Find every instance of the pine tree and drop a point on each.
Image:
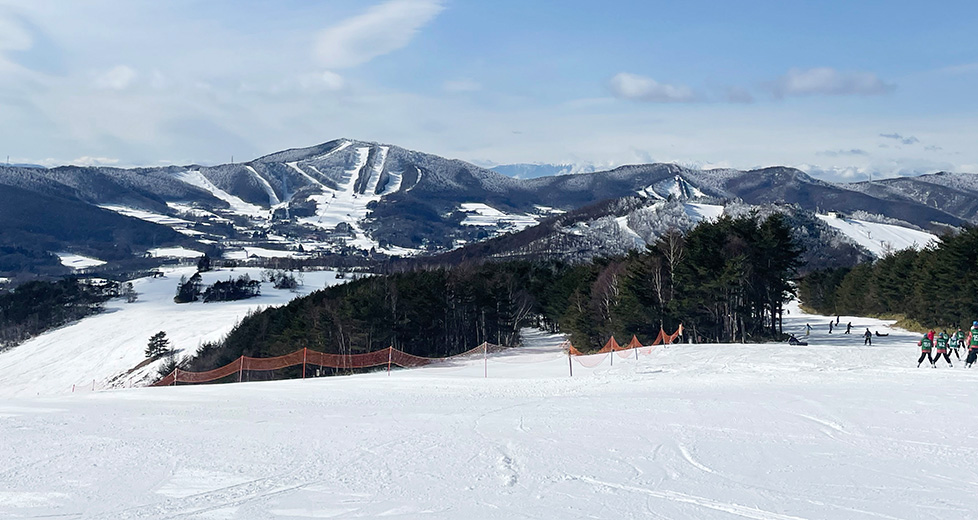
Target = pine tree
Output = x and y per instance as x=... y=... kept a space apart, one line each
x=158 y=345
x=129 y=293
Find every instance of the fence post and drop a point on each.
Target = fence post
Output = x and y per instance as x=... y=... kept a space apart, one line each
x=240 y=367
x=176 y=372
x=304 y=362
x=570 y=362
x=93 y=385
x=390 y=354
x=636 y=353
x=612 y=356
x=485 y=356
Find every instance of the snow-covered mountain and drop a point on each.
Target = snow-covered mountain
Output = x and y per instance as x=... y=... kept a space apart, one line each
x=348 y=197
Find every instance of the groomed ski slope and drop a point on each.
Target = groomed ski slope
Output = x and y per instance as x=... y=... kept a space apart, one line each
x=764 y=432
x=100 y=350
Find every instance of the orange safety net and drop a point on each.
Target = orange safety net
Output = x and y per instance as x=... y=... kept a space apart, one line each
x=612 y=344
x=389 y=356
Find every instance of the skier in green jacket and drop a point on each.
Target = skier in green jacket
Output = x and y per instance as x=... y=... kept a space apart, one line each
x=925 y=346
x=940 y=345
x=972 y=342
x=957 y=341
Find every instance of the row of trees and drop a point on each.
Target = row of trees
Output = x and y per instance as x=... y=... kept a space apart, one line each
x=35 y=307
x=935 y=286
x=726 y=280
x=192 y=289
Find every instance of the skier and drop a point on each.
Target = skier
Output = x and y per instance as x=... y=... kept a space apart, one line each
x=830 y=327
x=925 y=345
x=972 y=341
x=941 y=345
x=868 y=338
x=808 y=328
x=848 y=327
x=954 y=343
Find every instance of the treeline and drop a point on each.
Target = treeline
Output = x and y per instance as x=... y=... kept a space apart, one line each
x=935 y=286
x=726 y=280
x=35 y=307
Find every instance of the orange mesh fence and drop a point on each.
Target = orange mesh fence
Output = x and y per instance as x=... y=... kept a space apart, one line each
x=392 y=357
x=612 y=345
x=386 y=357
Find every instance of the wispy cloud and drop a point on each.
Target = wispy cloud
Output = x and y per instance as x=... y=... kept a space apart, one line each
x=842 y=153
x=462 y=85
x=641 y=88
x=382 y=29
x=908 y=140
x=119 y=77
x=827 y=81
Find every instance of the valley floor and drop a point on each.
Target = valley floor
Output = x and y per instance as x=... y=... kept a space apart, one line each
x=829 y=430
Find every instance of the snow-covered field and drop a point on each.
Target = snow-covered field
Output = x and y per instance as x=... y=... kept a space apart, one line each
x=100 y=350
x=829 y=430
x=78 y=261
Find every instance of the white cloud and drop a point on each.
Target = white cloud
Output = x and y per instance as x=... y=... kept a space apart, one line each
x=830 y=82
x=462 y=85
x=641 y=88
x=320 y=81
x=119 y=77
x=902 y=139
x=384 y=28
x=13 y=37
x=93 y=161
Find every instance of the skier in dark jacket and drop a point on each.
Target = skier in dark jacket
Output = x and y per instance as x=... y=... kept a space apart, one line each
x=868 y=338
x=848 y=327
x=925 y=346
x=940 y=345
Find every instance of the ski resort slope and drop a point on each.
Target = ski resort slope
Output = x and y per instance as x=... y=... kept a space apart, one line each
x=101 y=350
x=880 y=238
x=764 y=432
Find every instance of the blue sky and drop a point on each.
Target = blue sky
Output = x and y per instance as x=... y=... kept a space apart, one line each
x=841 y=89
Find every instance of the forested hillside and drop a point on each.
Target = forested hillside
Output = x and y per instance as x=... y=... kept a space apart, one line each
x=935 y=286
x=727 y=279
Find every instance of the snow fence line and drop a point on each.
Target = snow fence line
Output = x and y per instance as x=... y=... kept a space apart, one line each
x=391 y=357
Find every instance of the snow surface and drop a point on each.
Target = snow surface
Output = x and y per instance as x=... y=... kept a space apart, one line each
x=701 y=212
x=764 y=432
x=175 y=252
x=78 y=261
x=247 y=252
x=479 y=214
x=195 y=178
x=148 y=216
x=106 y=346
x=878 y=238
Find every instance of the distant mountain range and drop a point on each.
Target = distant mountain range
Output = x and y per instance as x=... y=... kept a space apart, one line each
x=534 y=170
x=348 y=197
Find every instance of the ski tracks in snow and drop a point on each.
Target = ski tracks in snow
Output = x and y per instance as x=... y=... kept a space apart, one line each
x=707 y=503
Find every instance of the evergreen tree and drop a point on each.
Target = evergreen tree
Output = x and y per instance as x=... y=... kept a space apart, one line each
x=159 y=345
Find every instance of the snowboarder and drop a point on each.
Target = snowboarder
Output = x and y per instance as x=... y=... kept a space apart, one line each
x=837 y=319
x=868 y=338
x=925 y=346
x=940 y=345
x=878 y=335
x=848 y=327
x=972 y=341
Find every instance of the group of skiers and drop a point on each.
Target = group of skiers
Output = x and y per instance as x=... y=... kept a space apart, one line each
x=943 y=344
